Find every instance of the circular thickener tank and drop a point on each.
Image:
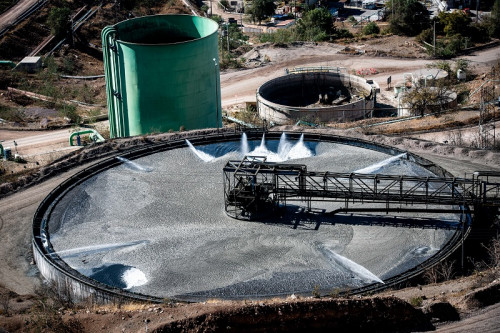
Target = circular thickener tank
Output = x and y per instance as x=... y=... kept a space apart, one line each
x=162 y=74
x=136 y=226
x=315 y=96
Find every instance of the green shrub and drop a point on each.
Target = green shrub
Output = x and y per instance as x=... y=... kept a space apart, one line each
x=344 y=33
x=69 y=111
x=335 y=293
x=217 y=18
x=426 y=35
x=11 y=114
x=371 y=29
x=85 y=94
x=454 y=45
x=416 y=301
x=316 y=292
x=58 y=21
x=68 y=65
x=280 y=36
x=449 y=48
x=228 y=61
x=479 y=33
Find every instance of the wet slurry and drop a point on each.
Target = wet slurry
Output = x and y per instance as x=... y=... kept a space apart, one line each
x=162 y=220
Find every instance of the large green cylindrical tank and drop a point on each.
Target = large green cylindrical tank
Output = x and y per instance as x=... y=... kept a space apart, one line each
x=162 y=72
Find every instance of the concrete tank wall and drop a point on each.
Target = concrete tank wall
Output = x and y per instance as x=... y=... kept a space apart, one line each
x=283 y=114
x=162 y=72
x=69 y=286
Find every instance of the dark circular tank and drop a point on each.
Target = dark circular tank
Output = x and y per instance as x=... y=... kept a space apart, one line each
x=315 y=96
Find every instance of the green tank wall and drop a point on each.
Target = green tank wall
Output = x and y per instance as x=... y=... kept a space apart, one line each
x=162 y=72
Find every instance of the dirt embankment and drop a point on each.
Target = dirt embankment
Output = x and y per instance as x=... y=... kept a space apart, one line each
x=356 y=314
x=368 y=314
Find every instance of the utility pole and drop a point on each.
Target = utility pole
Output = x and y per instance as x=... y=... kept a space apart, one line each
x=434 y=39
x=222 y=42
x=462 y=217
x=71 y=31
x=227 y=36
x=477 y=10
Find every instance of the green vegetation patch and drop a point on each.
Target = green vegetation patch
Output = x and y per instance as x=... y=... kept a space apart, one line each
x=11 y=114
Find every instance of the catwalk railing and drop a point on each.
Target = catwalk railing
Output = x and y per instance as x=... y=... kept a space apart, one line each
x=252 y=183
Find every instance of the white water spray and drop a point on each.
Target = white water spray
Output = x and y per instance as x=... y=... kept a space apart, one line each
x=202 y=155
x=286 y=150
x=134 y=277
x=284 y=147
x=244 y=148
x=133 y=165
x=299 y=150
x=75 y=252
x=262 y=150
x=353 y=267
x=377 y=167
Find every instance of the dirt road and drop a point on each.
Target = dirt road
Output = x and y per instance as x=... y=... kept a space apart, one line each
x=484 y=321
x=240 y=86
x=27 y=139
x=16 y=213
x=10 y=16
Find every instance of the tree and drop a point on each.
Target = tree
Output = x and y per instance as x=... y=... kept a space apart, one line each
x=260 y=9
x=371 y=29
x=408 y=17
x=58 y=21
x=421 y=99
x=492 y=23
x=316 y=25
x=454 y=23
x=224 y=4
x=236 y=36
x=217 y=18
x=418 y=100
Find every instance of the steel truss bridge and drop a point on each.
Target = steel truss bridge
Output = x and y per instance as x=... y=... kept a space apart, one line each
x=253 y=186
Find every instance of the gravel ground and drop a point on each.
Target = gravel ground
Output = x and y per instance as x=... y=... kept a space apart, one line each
x=131 y=227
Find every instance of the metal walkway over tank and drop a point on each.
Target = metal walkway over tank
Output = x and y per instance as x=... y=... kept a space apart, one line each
x=253 y=185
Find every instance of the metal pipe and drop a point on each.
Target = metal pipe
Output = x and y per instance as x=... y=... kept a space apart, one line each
x=240 y=122
x=93 y=133
x=108 y=33
x=8 y=63
x=216 y=94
